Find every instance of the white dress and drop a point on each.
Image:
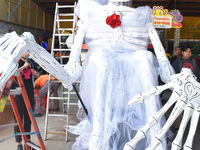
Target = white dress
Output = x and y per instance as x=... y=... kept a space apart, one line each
x=117 y=67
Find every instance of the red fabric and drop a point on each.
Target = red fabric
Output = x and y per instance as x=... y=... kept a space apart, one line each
x=113 y=20
x=26 y=73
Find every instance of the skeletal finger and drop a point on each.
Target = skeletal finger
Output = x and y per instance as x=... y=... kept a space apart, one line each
x=177 y=143
x=193 y=127
x=152 y=121
x=154 y=91
x=174 y=114
x=136 y=99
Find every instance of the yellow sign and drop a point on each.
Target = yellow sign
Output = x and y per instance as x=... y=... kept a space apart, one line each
x=165 y=19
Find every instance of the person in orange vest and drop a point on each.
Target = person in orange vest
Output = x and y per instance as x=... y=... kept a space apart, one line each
x=42 y=82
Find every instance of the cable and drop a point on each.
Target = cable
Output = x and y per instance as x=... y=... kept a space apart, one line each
x=10 y=14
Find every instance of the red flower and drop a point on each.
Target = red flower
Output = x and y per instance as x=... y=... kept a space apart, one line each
x=113 y=21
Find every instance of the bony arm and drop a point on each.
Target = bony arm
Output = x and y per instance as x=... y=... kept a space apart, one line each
x=11 y=49
x=166 y=69
x=46 y=60
x=73 y=67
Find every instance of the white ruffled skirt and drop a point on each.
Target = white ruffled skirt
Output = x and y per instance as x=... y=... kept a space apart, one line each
x=111 y=77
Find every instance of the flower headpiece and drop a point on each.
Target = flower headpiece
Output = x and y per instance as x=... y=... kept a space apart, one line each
x=113 y=21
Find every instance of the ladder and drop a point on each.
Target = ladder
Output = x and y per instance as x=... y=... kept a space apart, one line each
x=63 y=32
x=3 y=95
x=64 y=26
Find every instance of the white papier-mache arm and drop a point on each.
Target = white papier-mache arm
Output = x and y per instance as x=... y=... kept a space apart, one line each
x=166 y=70
x=46 y=60
x=73 y=66
x=11 y=49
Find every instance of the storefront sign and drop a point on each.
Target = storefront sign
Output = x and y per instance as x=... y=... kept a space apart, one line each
x=162 y=22
x=164 y=19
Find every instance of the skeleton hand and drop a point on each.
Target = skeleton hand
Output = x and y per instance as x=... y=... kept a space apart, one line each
x=74 y=70
x=186 y=95
x=11 y=49
x=10 y=53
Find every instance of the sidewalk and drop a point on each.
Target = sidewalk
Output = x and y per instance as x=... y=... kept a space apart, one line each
x=56 y=124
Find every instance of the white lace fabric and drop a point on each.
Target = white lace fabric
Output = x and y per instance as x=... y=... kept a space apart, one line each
x=113 y=72
x=133 y=29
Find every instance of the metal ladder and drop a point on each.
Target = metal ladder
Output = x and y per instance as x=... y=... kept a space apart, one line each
x=3 y=97
x=68 y=20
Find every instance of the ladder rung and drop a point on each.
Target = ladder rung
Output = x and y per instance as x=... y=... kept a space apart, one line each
x=65 y=93
x=65 y=43
x=71 y=103
x=64 y=56
x=70 y=92
x=55 y=81
x=66 y=6
x=64 y=103
x=33 y=146
x=57 y=33
x=63 y=34
x=56 y=133
x=62 y=14
x=58 y=98
x=55 y=115
x=63 y=29
x=64 y=49
x=60 y=20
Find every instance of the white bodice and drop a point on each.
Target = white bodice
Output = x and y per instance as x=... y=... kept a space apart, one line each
x=133 y=31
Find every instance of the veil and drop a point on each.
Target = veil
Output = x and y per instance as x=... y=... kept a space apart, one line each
x=84 y=5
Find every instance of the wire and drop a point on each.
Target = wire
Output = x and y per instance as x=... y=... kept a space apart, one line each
x=10 y=14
